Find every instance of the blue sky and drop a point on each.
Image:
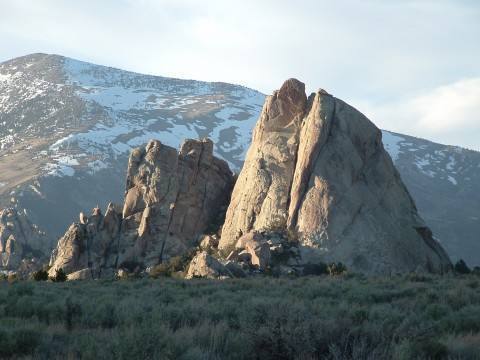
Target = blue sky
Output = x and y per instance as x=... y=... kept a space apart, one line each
x=411 y=66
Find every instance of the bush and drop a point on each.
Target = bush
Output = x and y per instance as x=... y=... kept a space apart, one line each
x=462 y=268
x=173 y=265
x=18 y=342
x=328 y=317
x=315 y=269
x=337 y=269
x=72 y=310
x=60 y=276
x=40 y=275
x=159 y=270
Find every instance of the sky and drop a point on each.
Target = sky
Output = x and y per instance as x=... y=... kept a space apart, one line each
x=412 y=66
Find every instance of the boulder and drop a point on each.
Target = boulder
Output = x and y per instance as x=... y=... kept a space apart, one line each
x=208 y=242
x=84 y=274
x=317 y=171
x=204 y=265
x=257 y=248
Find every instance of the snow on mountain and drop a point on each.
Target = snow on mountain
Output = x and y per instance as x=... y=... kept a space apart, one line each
x=445 y=184
x=139 y=108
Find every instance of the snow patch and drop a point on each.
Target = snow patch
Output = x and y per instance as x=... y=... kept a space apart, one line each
x=392 y=144
x=452 y=180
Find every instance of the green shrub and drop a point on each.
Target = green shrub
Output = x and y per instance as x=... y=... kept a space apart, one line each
x=173 y=265
x=72 y=310
x=315 y=269
x=461 y=267
x=327 y=317
x=335 y=269
x=18 y=342
x=464 y=346
x=476 y=270
x=40 y=275
x=60 y=276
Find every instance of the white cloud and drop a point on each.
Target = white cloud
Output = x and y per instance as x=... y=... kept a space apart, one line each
x=449 y=114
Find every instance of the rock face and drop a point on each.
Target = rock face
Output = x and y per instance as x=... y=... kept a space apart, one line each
x=318 y=171
x=19 y=239
x=171 y=199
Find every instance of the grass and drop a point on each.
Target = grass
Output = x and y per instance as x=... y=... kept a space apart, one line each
x=344 y=317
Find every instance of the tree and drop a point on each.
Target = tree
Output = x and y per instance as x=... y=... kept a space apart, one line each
x=40 y=275
x=60 y=276
x=462 y=268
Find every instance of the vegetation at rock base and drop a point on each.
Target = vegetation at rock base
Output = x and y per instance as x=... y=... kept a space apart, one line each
x=40 y=275
x=60 y=276
x=462 y=268
x=313 y=317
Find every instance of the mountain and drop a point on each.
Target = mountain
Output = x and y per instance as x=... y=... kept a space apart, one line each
x=445 y=183
x=67 y=127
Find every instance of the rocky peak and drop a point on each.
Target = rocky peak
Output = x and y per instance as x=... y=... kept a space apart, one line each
x=171 y=199
x=317 y=169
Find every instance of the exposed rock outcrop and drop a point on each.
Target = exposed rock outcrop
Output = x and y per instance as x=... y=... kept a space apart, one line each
x=20 y=239
x=204 y=265
x=317 y=170
x=171 y=199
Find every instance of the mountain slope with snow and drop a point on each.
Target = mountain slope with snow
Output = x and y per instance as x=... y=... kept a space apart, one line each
x=67 y=127
x=445 y=183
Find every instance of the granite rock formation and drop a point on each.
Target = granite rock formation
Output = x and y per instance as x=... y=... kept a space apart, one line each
x=171 y=199
x=317 y=171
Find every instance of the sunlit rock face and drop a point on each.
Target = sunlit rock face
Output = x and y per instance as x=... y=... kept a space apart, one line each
x=318 y=170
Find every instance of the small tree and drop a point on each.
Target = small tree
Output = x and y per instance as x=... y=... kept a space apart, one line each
x=337 y=269
x=60 y=276
x=476 y=270
x=40 y=275
x=462 y=268
x=315 y=269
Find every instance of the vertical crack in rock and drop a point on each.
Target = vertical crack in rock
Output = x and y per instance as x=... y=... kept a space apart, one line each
x=314 y=133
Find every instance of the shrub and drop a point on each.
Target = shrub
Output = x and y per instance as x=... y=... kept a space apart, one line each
x=337 y=269
x=315 y=269
x=160 y=270
x=430 y=349
x=12 y=278
x=72 y=310
x=461 y=267
x=40 y=275
x=60 y=276
x=173 y=265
